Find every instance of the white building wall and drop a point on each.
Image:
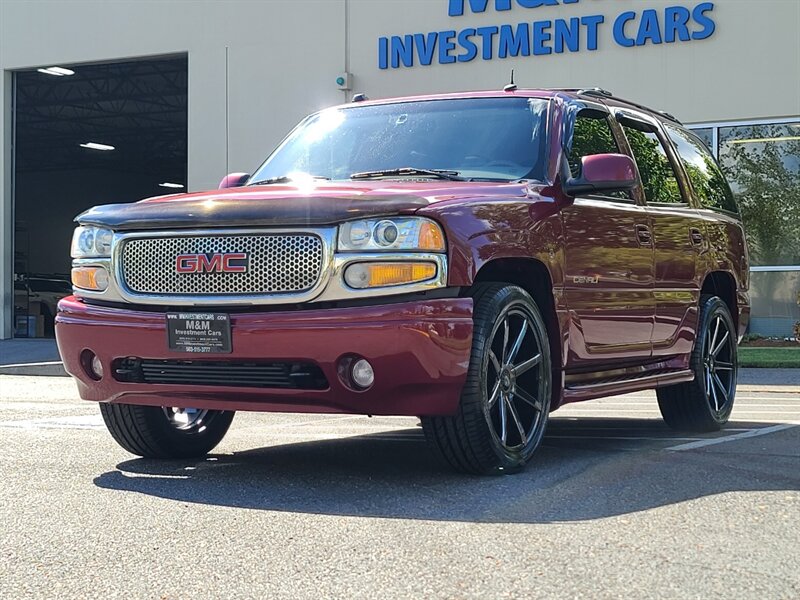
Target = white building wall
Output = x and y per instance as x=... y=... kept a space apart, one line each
x=255 y=68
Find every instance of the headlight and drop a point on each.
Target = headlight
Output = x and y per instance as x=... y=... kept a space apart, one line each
x=90 y=242
x=412 y=233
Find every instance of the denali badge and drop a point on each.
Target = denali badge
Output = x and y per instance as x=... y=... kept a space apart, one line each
x=232 y=262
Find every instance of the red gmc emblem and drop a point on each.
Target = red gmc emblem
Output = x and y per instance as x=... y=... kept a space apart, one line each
x=232 y=262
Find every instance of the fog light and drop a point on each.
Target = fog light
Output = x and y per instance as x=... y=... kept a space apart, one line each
x=92 y=365
x=97 y=367
x=362 y=373
x=90 y=278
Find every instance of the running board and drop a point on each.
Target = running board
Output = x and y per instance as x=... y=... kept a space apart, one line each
x=578 y=391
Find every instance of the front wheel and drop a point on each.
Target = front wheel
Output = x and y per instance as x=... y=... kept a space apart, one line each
x=165 y=432
x=505 y=402
x=705 y=404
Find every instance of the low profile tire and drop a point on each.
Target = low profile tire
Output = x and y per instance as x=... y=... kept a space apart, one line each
x=156 y=432
x=505 y=402
x=705 y=404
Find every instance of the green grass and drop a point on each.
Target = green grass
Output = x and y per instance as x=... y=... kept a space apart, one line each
x=776 y=358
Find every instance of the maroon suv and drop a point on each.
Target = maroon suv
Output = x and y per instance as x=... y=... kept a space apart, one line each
x=475 y=259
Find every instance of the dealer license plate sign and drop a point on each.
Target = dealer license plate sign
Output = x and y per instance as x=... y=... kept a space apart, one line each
x=199 y=332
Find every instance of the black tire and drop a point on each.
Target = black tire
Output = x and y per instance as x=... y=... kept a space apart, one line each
x=150 y=431
x=705 y=404
x=471 y=441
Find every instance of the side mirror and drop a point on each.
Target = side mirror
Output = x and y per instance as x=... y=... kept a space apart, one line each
x=234 y=180
x=603 y=173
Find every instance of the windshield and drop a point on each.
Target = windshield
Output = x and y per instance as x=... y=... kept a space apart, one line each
x=494 y=139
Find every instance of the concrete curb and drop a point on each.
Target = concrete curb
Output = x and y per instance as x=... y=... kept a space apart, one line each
x=47 y=369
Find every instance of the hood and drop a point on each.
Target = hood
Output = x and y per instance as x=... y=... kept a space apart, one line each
x=286 y=205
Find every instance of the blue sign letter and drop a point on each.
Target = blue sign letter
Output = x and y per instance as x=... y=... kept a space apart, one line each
x=619 y=29
x=699 y=15
x=455 y=8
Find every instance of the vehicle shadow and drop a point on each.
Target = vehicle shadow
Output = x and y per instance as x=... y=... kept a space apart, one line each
x=575 y=476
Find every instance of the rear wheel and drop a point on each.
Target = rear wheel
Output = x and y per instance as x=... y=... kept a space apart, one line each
x=504 y=406
x=705 y=404
x=165 y=432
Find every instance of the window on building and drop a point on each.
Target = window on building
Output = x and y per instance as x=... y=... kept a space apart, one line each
x=706 y=135
x=708 y=183
x=658 y=175
x=762 y=163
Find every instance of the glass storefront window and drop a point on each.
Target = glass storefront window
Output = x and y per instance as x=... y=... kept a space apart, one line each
x=706 y=135
x=762 y=163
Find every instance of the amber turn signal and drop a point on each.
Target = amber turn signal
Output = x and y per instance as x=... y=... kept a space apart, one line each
x=367 y=275
x=90 y=278
x=431 y=237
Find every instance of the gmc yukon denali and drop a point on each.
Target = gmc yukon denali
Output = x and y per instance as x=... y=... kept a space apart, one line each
x=476 y=260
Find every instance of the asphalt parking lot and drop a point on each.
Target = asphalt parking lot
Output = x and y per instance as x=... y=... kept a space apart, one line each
x=338 y=506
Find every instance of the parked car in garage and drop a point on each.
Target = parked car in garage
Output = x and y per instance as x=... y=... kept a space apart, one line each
x=475 y=259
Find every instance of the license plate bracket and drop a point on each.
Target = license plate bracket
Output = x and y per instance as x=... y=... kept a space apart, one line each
x=199 y=333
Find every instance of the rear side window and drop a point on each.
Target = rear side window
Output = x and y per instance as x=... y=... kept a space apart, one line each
x=708 y=182
x=659 y=180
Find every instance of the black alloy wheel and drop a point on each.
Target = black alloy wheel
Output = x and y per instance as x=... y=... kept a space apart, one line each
x=705 y=404
x=505 y=402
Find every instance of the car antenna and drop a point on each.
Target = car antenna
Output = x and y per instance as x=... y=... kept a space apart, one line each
x=511 y=87
x=360 y=97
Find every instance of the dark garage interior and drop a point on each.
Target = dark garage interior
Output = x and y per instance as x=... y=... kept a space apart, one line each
x=87 y=135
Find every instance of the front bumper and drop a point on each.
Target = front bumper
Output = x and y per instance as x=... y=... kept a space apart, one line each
x=419 y=352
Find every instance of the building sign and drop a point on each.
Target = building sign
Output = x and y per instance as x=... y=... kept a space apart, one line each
x=672 y=24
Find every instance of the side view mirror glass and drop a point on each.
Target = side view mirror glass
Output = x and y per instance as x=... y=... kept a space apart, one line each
x=234 y=180
x=603 y=173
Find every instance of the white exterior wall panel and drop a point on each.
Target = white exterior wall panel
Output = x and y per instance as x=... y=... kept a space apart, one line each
x=283 y=57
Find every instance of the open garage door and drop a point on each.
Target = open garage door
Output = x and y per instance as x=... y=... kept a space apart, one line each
x=87 y=135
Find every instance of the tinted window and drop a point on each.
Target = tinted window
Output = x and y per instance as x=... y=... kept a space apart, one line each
x=481 y=138
x=592 y=135
x=705 y=175
x=658 y=176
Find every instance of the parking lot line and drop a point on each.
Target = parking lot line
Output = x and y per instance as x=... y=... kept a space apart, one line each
x=732 y=438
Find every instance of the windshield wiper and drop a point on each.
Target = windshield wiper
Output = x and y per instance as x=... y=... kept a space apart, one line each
x=284 y=179
x=409 y=171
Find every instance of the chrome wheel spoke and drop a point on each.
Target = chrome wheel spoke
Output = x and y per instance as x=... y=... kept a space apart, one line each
x=515 y=417
x=495 y=394
x=723 y=366
x=527 y=398
x=185 y=418
x=518 y=342
x=713 y=343
x=719 y=346
x=526 y=365
x=713 y=391
x=722 y=389
x=495 y=362
x=503 y=420
x=505 y=339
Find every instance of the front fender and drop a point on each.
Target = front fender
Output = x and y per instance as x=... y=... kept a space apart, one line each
x=479 y=232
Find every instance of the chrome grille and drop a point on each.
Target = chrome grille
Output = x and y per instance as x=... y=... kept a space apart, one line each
x=277 y=263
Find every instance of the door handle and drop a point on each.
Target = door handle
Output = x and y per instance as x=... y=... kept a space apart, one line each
x=644 y=235
x=696 y=236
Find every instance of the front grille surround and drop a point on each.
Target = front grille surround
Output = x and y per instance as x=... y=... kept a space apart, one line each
x=276 y=264
x=285 y=277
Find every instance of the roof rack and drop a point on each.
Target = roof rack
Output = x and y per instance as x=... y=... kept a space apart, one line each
x=601 y=93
